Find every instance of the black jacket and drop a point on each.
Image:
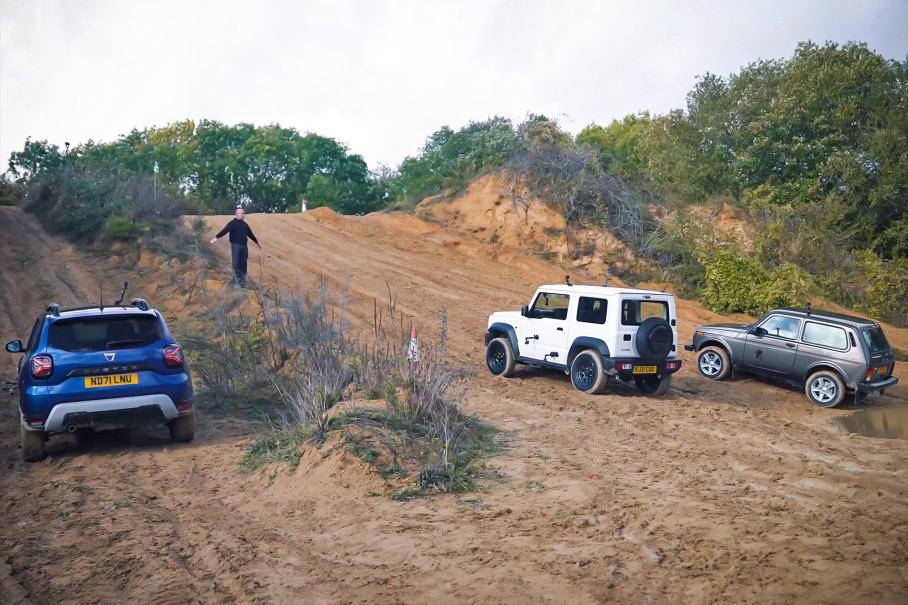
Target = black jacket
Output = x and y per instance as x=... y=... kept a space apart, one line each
x=238 y=231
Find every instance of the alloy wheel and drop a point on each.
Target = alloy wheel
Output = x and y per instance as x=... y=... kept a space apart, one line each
x=823 y=389
x=710 y=363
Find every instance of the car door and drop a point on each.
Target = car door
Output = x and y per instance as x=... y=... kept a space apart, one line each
x=545 y=335
x=772 y=345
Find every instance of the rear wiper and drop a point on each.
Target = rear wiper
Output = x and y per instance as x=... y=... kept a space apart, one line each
x=113 y=344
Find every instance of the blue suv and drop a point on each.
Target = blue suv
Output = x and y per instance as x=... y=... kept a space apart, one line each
x=99 y=368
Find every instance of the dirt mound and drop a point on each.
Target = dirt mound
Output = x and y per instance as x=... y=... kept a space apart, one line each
x=494 y=210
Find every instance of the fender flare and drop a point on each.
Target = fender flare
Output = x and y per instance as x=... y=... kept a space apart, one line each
x=829 y=365
x=587 y=342
x=718 y=341
x=507 y=330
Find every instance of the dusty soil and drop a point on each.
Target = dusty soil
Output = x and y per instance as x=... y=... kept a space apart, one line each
x=719 y=492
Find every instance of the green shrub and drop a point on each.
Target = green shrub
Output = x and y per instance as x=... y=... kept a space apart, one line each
x=737 y=284
x=886 y=291
x=122 y=228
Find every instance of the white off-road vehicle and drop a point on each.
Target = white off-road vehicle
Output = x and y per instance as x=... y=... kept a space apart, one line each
x=595 y=334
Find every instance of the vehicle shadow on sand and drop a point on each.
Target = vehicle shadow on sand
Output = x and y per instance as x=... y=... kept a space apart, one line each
x=745 y=391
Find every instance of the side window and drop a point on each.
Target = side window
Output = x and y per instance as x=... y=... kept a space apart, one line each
x=36 y=335
x=549 y=305
x=591 y=310
x=782 y=326
x=825 y=335
x=635 y=312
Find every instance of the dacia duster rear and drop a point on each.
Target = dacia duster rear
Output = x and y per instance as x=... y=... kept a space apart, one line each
x=100 y=368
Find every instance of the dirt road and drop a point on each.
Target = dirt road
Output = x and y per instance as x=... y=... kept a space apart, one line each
x=729 y=492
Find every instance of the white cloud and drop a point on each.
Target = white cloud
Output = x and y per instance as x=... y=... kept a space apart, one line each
x=381 y=76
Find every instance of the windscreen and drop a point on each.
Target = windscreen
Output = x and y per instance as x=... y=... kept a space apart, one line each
x=634 y=312
x=875 y=339
x=104 y=333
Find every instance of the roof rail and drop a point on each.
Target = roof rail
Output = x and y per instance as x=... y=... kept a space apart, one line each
x=139 y=303
x=54 y=309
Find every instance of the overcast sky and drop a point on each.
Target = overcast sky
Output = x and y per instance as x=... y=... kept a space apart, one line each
x=381 y=76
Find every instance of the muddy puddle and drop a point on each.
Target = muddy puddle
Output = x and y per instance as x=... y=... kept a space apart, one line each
x=886 y=423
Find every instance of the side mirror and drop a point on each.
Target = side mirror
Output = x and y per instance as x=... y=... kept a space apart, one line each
x=14 y=346
x=525 y=311
x=758 y=331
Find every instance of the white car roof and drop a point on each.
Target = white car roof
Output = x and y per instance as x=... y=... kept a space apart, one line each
x=598 y=291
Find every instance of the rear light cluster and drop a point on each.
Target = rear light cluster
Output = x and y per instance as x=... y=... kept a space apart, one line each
x=624 y=366
x=871 y=374
x=673 y=366
x=173 y=356
x=42 y=366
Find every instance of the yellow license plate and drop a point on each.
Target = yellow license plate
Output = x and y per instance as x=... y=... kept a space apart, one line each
x=645 y=370
x=882 y=370
x=111 y=380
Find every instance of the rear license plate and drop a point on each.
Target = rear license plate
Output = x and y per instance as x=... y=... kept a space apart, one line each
x=645 y=370
x=882 y=370
x=112 y=380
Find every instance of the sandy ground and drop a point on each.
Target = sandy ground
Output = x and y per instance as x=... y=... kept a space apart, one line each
x=719 y=492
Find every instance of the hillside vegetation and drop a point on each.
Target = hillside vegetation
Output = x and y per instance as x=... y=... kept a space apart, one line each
x=810 y=153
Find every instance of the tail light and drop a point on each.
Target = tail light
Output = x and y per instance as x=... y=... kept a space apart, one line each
x=624 y=366
x=673 y=366
x=42 y=366
x=173 y=356
x=871 y=373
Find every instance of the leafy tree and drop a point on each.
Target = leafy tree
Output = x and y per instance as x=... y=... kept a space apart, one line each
x=619 y=145
x=36 y=159
x=450 y=159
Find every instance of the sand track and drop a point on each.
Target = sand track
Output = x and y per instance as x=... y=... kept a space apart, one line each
x=729 y=492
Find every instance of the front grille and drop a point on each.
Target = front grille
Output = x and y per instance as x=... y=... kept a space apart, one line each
x=107 y=370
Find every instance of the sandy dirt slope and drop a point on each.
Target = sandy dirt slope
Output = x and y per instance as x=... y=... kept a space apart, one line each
x=39 y=269
x=728 y=492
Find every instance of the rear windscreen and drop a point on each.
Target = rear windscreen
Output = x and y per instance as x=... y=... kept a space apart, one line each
x=104 y=333
x=875 y=339
x=634 y=312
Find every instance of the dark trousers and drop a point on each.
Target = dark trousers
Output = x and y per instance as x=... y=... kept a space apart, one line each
x=240 y=254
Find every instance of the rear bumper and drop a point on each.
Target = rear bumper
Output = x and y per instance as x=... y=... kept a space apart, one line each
x=618 y=366
x=109 y=413
x=869 y=387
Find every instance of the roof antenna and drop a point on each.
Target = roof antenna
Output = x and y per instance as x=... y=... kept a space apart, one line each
x=122 y=295
x=101 y=297
x=567 y=280
x=809 y=307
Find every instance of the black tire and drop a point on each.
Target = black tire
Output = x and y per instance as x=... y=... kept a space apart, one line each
x=653 y=384
x=587 y=373
x=500 y=358
x=182 y=428
x=654 y=338
x=33 y=445
x=825 y=389
x=713 y=363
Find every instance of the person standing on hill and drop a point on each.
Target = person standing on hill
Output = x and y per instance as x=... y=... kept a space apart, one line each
x=239 y=232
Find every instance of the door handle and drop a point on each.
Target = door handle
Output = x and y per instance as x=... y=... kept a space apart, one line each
x=560 y=329
x=790 y=345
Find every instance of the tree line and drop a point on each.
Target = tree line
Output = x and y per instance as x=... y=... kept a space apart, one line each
x=813 y=148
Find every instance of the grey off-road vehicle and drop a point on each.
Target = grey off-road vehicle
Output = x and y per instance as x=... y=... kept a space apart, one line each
x=830 y=354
